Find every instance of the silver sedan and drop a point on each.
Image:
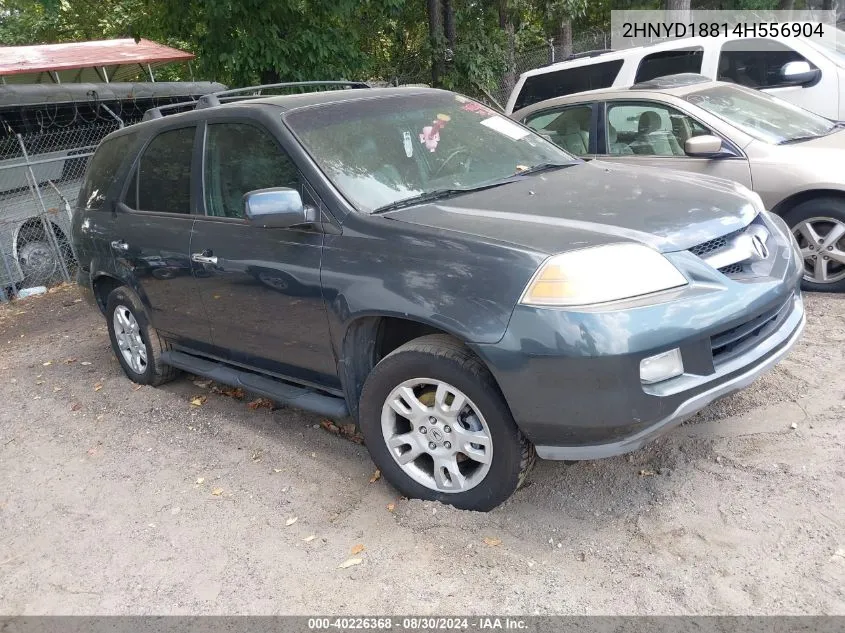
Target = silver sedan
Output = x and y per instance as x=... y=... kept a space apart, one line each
x=792 y=158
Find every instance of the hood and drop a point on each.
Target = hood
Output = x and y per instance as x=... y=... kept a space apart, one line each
x=589 y=204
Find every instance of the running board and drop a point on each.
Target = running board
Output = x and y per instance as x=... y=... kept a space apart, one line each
x=285 y=393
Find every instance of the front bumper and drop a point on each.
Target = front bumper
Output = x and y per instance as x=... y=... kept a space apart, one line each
x=763 y=359
x=571 y=377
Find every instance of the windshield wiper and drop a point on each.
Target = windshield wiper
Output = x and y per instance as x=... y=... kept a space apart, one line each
x=439 y=194
x=430 y=196
x=534 y=169
x=801 y=139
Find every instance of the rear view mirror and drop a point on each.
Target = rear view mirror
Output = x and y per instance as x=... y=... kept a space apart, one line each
x=799 y=74
x=705 y=145
x=279 y=207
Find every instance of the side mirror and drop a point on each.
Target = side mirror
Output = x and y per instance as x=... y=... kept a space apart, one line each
x=705 y=145
x=277 y=208
x=799 y=74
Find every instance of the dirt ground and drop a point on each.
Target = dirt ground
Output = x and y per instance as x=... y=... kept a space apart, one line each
x=117 y=500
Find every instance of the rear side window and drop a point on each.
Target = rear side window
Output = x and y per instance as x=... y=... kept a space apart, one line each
x=162 y=181
x=102 y=170
x=567 y=81
x=758 y=68
x=669 y=63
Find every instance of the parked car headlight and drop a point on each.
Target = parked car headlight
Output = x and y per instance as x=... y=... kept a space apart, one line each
x=600 y=274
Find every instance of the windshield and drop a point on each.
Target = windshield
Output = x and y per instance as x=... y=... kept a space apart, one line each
x=833 y=50
x=762 y=116
x=382 y=150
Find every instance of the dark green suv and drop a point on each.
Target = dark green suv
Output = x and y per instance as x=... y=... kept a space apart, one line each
x=467 y=291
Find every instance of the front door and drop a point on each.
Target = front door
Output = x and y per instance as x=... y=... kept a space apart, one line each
x=151 y=236
x=653 y=134
x=260 y=286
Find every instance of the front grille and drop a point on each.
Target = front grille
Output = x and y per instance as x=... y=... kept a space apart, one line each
x=705 y=248
x=730 y=343
x=733 y=269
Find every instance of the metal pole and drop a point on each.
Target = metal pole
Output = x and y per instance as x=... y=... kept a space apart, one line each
x=3 y=296
x=551 y=50
x=48 y=228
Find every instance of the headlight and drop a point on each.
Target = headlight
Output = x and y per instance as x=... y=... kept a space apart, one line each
x=599 y=274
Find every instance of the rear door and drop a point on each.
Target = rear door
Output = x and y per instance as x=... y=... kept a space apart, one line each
x=260 y=286
x=651 y=133
x=151 y=235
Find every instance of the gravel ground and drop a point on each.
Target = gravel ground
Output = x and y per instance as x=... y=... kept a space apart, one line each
x=117 y=500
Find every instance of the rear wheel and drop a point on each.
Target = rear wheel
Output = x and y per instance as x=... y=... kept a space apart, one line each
x=135 y=342
x=437 y=426
x=819 y=227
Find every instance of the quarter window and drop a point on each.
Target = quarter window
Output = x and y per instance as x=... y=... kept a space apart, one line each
x=756 y=63
x=669 y=63
x=240 y=158
x=163 y=178
x=567 y=81
x=649 y=129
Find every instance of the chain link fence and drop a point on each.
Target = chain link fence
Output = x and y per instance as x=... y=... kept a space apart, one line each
x=40 y=177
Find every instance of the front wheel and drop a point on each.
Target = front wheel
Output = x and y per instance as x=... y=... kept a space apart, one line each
x=819 y=227
x=437 y=426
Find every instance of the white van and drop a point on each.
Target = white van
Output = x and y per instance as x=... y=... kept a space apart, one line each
x=808 y=73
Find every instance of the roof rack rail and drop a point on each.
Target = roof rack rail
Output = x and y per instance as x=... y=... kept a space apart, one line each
x=158 y=112
x=214 y=99
x=593 y=53
x=665 y=82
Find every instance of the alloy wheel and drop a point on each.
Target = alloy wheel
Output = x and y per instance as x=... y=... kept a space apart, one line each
x=822 y=243
x=437 y=435
x=128 y=335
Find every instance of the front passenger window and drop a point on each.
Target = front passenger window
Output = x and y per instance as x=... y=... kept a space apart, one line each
x=649 y=129
x=240 y=158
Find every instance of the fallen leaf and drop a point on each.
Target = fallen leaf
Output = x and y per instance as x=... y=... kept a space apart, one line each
x=291 y=521
x=351 y=562
x=76 y=406
x=308 y=539
x=390 y=507
x=203 y=384
x=39 y=382
x=330 y=426
x=47 y=364
x=232 y=392
x=85 y=362
x=98 y=386
x=136 y=387
x=260 y=403
x=57 y=389
x=198 y=401
x=357 y=549
x=68 y=361
x=376 y=476
x=217 y=492
x=200 y=480
x=92 y=451
x=647 y=473
x=492 y=542
x=277 y=470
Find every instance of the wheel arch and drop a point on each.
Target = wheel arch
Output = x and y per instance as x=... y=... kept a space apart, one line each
x=369 y=338
x=793 y=200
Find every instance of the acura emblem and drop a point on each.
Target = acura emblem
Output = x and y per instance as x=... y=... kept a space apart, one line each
x=760 y=250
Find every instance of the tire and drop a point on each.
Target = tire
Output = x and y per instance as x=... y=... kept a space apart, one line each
x=146 y=343
x=822 y=215
x=500 y=462
x=38 y=261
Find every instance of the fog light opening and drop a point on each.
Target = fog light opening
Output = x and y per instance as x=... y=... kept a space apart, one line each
x=661 y=367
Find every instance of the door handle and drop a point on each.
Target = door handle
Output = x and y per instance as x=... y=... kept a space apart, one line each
x=120 y=245
x=202 y=258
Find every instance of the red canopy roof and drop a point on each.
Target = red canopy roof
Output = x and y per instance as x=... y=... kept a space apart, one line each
x=16 y=60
